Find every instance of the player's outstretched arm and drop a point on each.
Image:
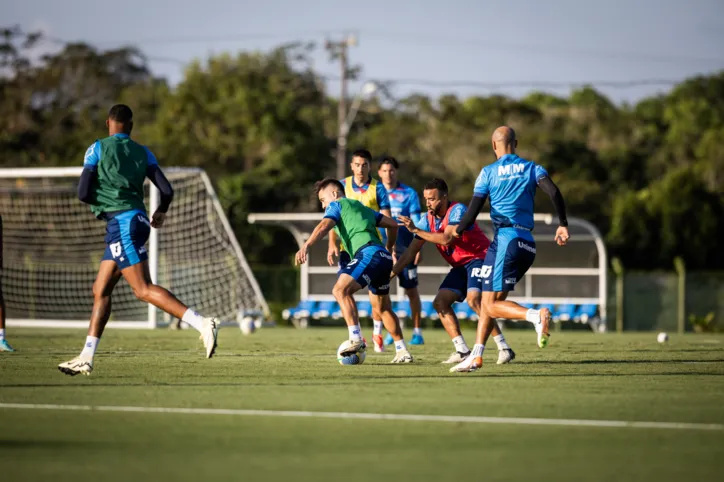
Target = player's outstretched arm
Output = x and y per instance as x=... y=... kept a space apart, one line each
x=476 y=204
x=442 y=239
x=390 y=224
x=324 y=226
x=410 y=253
x=549 y=187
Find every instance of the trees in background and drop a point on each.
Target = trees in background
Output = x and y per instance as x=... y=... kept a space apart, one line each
x=651 y=176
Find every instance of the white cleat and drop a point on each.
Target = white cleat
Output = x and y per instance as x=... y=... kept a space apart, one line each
x=456 y=357
x=209 y=333
x=402 y=357
x=77 y=366
x=470 y=364
x=506 y=355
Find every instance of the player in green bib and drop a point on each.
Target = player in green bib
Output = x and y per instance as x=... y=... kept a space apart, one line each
x=356 y=226
x=114 y=171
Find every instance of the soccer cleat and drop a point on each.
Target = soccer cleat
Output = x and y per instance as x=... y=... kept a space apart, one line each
x=456 y=357
x=77 y=366
x=402 y=357
x=470 y=364
x=5 y=346
x=354 y=347
x=506 y=356
x=417 y=339
x=209 y=334
x=542 y=327
x=389 y=340
x=379 y=344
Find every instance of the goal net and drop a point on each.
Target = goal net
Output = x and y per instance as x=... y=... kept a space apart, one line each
x=53 y=245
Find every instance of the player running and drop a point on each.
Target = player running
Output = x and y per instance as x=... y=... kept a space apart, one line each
x=4 y=345
x=114 y=171
x=404 y=202
x=356 y=225
x=465 y=254
x=365 y=189
x=511 y=183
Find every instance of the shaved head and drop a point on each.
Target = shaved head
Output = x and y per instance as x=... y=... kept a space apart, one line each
x=504 y=135
x=504 y=141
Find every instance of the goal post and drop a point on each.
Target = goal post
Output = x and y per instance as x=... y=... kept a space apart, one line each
x=53 y=245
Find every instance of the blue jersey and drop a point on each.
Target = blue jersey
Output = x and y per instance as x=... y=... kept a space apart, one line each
x=403 y=202
x=510 y=183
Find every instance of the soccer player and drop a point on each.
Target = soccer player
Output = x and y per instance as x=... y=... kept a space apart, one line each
x=404 y=202
x=365 y=189
x=371 y=263
x=465 y=254
x=510 y=183
x=114 y=170
x=4 y=345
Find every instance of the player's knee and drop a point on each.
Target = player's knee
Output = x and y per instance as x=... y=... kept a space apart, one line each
x=441 y=305
x=473 y=300
x=142 y=292
x=340 y=291
x=487 y=306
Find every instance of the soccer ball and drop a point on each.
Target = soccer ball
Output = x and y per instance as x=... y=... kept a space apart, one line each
x=662 y=338
x=247 y=325
x=353 y=359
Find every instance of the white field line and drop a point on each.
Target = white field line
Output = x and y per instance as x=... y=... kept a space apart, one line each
x=377 y=416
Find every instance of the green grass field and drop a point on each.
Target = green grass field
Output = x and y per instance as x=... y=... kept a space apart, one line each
x=580 y=376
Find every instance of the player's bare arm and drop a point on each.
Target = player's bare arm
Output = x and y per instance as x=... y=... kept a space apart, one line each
x=333 y=249
x=443 y=239
x=549 y=187
x=412 y=251
x=391 y=225
x=324 y=227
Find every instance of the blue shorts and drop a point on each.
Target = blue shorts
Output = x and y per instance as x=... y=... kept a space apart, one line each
x=408 y=277
x=509 y=257
x=126 y=235
x=462 y=279
x=371 y=266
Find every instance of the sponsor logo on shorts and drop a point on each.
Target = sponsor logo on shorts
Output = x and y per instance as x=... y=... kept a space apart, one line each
x=144 y=220
x=142 y=250
x=384 y=287
x=366 y=278
x=412 y=273
x=526 y=247
x=511 y=281
x=385 y=255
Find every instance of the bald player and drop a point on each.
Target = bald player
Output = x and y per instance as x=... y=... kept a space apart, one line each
x=511 y=184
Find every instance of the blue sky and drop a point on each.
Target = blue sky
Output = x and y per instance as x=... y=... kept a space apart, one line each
x=436 y=41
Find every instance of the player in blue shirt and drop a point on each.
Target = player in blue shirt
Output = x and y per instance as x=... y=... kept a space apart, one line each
x=362 y=187
x=404 y=202
x=511 y=184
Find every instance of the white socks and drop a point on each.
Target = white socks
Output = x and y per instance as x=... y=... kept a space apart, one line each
x=89 y=349
x=477 y=351
x=355 y=333
x=533 y=316
x=2 y=333
x=417 y=331
x=460 y=345
x=377 y=330
x=400 y=346
x=193 y=319
x=500 y=341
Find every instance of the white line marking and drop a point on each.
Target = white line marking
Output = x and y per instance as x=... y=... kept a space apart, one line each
x=376 y=416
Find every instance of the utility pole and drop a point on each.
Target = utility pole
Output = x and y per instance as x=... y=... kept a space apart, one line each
x=338 y=51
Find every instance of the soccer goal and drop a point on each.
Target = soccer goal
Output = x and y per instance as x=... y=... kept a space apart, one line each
x=53 y=246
